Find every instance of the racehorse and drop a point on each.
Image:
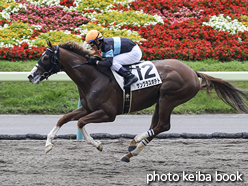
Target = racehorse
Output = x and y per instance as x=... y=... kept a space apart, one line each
x=102 y=98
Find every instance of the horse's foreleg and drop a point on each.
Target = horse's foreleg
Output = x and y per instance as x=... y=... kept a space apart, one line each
x=94 y=117
x=50 y=137
x=75 y=115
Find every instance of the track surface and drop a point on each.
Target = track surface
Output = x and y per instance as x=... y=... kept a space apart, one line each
x=24 y=163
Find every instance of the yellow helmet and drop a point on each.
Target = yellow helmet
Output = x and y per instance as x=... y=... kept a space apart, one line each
x=93 y=35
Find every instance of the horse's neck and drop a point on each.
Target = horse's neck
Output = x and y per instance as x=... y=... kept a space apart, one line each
x=79 y=74
x=82 y=75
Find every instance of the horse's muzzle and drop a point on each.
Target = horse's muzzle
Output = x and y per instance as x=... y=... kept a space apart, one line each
x=34 y=79
x=30 y=78
x=33 y=76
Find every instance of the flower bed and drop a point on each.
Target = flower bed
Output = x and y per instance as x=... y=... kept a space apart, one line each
x=191 y=38
x=50 y=18
x=188 y=30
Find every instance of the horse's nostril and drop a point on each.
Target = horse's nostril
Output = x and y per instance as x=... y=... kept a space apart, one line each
x=30 y=77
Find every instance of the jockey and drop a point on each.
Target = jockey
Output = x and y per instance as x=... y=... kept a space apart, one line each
x=118 y=51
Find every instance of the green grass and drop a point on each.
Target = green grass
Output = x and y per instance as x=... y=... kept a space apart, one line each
x=18 y=66
x=62 y=97
x=45 y=98
x=214 y=65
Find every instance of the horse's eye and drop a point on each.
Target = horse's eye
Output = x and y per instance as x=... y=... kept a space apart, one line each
x=46 y=58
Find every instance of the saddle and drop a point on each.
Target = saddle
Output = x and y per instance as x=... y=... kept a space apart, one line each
x=147 y=76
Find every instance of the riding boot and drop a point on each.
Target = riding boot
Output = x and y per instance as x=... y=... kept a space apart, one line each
x=129 y=78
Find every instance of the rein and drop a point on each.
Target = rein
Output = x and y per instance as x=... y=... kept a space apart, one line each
x=54 y=67
x=74 y=66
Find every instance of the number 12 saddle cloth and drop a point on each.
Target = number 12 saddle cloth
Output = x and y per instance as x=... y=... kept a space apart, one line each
x=147 y=76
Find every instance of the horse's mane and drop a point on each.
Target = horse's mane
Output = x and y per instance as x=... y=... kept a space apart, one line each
x=76 y=48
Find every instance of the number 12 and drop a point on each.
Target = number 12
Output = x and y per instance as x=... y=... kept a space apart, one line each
x=147 y=74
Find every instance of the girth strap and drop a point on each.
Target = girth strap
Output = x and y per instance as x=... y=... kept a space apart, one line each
x=127 y=98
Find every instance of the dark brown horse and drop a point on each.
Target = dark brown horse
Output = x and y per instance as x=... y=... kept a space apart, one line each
x=102 y=99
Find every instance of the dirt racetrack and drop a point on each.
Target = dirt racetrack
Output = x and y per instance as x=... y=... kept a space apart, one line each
x=162 y=162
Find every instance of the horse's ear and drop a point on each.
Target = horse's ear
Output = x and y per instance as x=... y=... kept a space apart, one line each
x=50 y=45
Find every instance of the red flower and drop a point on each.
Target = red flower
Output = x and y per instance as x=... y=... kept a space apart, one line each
x=67 y=3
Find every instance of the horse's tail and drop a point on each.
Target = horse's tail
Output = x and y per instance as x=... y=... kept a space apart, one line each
x=231 y=95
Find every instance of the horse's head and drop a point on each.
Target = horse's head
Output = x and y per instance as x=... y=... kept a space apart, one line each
x=47 y=65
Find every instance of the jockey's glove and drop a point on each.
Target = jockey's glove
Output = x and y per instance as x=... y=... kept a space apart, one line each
x=92 y=61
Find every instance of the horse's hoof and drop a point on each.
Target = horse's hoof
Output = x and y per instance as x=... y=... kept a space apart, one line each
x=100 y=147
x=48 y=148
x=125 y=159
x=131 y=148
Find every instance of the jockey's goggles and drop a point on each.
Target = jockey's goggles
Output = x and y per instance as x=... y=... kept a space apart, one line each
x=92 y=43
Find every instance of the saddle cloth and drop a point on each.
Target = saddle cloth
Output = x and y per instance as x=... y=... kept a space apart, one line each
x=145 y=71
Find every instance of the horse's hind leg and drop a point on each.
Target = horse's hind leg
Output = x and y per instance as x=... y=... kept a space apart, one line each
x=138 y=138
x=160 y=123
x=75 y=115
x=161 y=118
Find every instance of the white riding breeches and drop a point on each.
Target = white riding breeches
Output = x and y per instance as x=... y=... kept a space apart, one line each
x=127 y=58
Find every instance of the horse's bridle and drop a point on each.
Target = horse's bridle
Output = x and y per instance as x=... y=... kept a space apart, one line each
x=54 y=66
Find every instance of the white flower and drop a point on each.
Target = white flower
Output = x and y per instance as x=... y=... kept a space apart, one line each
x=67 y=32
x=5 y=15
x=5 y=25
x=36 y=27
x=42 y=3
x=225 y=24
